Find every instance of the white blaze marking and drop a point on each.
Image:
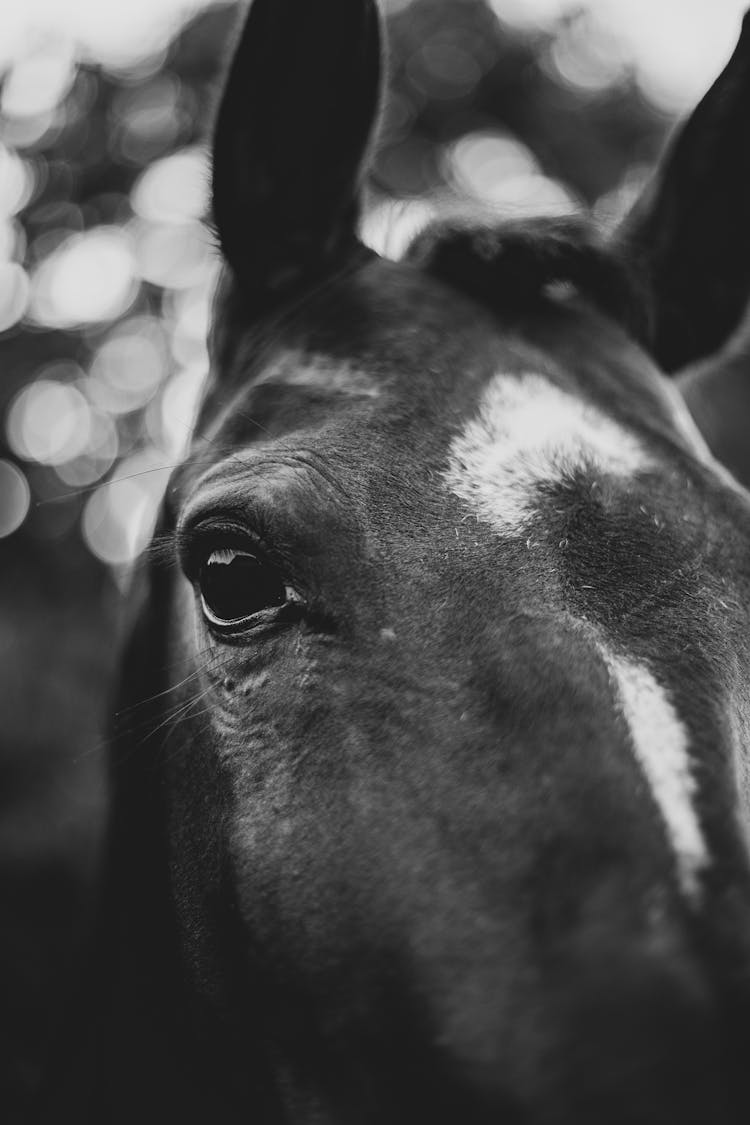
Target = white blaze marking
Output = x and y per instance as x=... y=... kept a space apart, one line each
x=529 y=433
x=661 y=746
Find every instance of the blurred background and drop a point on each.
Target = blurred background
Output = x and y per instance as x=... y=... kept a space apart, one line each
x=106 y=273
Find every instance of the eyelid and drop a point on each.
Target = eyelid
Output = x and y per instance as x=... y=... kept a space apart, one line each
x=228 y=554
x=197 y=540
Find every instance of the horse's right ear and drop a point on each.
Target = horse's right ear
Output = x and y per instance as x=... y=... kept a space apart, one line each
x=294 y=125
x=690 y=232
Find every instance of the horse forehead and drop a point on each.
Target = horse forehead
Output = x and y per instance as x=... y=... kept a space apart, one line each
x=501 y=418
x=530 y=434
x=507 y=422
x=394 y=361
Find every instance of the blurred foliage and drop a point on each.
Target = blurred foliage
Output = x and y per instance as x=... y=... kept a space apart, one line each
x=105 y=280
x=107 y=271
x=105 y=309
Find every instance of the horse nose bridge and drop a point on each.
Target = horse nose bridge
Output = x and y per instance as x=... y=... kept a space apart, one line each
x=552 y=941
x=490 y=749
x=528 y=727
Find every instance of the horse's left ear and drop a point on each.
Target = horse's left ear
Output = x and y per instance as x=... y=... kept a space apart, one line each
x=691 y=230
x=294 y=124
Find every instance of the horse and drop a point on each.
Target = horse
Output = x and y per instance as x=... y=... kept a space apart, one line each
x=431 y=781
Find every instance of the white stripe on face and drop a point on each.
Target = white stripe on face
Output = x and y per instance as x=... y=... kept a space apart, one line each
x=661 y=746
x=530 y=433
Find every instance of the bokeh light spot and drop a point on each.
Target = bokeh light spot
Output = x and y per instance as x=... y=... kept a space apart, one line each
x=443 y=70
x=27 y=132
x=99 y=456
x=120 y=34
x=502 y=173
x=174 y=189
x=129 y=366
x=676 y=47
x=170 y=255
x=587 y=56
x=16 y=182
x=14 y=294
x=407 y=168
x=90 y=277
x=484 y=158
x=149 y=119
x=15 y=498
x=187 y=314
x=179 y=406
x=49 y=422
x=38 y=82
x=8 y=242
x=118 y=520
x=531 y=13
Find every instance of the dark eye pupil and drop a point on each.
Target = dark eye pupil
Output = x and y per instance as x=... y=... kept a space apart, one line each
x=234 y=586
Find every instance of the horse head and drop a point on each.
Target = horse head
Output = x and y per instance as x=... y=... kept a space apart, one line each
x=435 y=808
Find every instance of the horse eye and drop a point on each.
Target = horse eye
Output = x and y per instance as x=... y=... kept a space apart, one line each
x=235 y=584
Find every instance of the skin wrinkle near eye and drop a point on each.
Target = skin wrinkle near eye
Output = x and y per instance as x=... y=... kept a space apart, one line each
x=215 y=489
x=300 y=369
x=530 y=433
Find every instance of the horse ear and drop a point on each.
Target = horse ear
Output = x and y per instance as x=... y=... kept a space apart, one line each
x=690 y=232
x=294 y=124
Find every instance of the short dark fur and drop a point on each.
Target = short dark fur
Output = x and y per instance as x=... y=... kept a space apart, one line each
x=509 y=266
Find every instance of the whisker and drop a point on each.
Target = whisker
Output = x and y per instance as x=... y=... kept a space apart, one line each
x=172 y=717
x=158 y=695
x=74 y=494
x=166 y=716
x=253 y=421
x=122 y=731
x=167 y=757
